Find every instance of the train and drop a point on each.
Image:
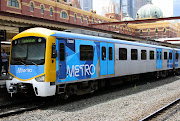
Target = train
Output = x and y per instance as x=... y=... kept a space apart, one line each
x=47 y=62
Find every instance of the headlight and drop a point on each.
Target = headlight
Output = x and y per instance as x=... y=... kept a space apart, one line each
x=10 y=77
x=40 y=78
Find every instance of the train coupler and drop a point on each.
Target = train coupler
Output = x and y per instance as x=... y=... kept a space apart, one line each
x=13 y=89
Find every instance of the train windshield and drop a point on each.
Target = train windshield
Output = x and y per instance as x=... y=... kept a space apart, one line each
x=28 y=51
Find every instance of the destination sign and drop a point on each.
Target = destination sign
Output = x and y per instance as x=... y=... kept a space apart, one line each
x=28 y=40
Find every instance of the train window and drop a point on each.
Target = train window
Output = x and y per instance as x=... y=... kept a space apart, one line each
x=157 y=55
x=151 y=55
x=103 y=53
x=110 y=53
x=165 y=55
x=170 y=55
x=160 y=55
x=177 y=56
x=86 y=52
x=134 y=54
x=143 y=54
x=62 y=52
x=122 y=54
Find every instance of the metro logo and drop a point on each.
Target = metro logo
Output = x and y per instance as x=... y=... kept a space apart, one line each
x=21 y=70
x=85 y=70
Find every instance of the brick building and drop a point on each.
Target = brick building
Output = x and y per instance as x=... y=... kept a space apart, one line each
x=53 y=10
x=59 y=10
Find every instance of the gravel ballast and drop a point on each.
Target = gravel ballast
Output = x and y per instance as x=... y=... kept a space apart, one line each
x=133 y=103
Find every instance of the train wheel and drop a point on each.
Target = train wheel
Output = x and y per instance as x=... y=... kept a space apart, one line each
x=64 y=96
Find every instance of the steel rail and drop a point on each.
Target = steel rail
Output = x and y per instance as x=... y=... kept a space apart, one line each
x=160 y=110
x=12 y=103
x=16 y=111
x=19 y=107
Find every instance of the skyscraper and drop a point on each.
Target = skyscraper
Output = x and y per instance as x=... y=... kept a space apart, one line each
x=82 y=4
x=86 y=4
x=137 y=5
x=127 y=7
x=106 y=6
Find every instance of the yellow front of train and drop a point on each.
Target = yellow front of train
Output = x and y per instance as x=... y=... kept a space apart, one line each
x=32 y=63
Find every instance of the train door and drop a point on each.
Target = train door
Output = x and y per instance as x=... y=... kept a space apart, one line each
x=106 y=58
x=110 y=58
x=176 y=58
x=103 y=59
x=159 y=58
x=170 y=59
x=61 y=59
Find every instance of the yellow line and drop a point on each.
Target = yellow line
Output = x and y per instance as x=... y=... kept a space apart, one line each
x=27 y=79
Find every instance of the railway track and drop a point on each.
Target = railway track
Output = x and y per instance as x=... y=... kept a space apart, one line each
x=161 y=110
x=8 y=109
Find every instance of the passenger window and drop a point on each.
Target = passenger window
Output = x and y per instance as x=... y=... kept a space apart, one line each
x=62 y=52
x=86 y=52
x=160 y=56
x=134 y=54
x=177 y=55
x=157 y=55
x=170 y=55
x=143 y=54
x=110 y=53
x=103 y=53
x=122 y=54
x=151 y=55
x=165 y=55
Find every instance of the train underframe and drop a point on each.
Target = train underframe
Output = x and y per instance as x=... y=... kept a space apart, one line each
x=81 y=88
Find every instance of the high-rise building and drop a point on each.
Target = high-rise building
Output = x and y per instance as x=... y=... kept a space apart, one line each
x=127 y=7
x=86 y=5
x=137 y=5
x=82 y=4
x=106 y=6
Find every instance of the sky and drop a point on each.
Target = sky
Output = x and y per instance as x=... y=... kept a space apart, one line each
x=176 y=7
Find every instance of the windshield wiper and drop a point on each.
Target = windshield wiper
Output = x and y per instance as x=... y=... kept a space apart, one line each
x=22 y=62
x=34 y=63
x=19 y=61
x=31 y=62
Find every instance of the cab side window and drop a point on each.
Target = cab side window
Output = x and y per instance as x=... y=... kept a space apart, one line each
x=62 y=52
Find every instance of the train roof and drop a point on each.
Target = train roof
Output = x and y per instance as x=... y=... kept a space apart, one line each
x=60 y=34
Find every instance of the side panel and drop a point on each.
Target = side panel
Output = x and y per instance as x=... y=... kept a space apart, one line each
x=129 y=66
x=110 y=58
x=78 y=67
x=159 y=58
x=103 y=59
